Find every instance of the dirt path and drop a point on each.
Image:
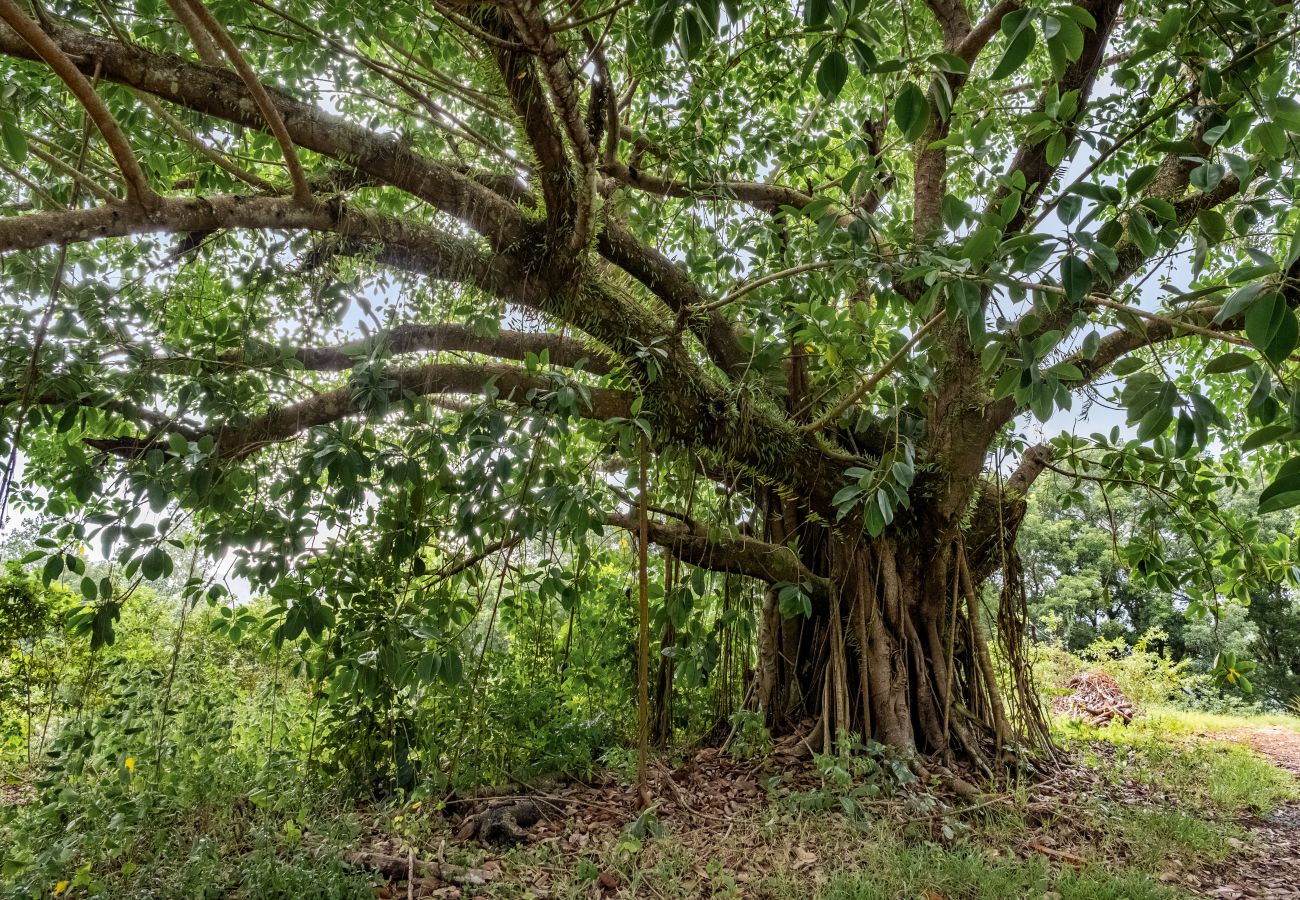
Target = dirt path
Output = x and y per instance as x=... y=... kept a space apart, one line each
x=1271 y=867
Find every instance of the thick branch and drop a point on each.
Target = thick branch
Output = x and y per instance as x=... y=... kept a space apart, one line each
x=666 y=280
x=1032 y=464
x=519 y=75
x=234 y=442
x=221 y=93
x=560 y=351
x=954 y=20
x=739 y=555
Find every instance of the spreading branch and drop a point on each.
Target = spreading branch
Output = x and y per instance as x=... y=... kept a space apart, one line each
x=515 y=385
x=222 y=94
x=414 y=338
x=301 y=190
x=739 y=555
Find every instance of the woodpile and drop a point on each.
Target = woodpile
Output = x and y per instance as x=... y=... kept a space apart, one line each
x=1095 y=698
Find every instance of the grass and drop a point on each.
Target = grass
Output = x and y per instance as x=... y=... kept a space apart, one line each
x=1125 y=839
x=220 y=839
x=1210 y=776
x=1191 y=722
x=819 y=856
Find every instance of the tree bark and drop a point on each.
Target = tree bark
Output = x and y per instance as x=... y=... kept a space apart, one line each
x=896 y=654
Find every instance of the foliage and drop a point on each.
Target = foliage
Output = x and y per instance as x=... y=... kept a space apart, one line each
x=430 y=298
x=1083 y=591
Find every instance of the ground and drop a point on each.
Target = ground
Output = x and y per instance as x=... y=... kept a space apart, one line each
x=1272 y=866
x=1175 y=805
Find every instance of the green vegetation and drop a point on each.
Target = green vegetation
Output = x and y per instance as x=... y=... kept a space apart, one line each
x=184 y=760
x=407 y=400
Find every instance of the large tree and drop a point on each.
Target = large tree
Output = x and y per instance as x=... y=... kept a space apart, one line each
x=825 y=256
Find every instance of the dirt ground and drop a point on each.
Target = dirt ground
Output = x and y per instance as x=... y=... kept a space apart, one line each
x=1270 y=867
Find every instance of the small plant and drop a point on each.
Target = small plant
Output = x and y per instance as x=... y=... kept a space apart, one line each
x=854 y=776
x=750 y=738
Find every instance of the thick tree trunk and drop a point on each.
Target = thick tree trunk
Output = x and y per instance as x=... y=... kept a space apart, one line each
x=898 y=653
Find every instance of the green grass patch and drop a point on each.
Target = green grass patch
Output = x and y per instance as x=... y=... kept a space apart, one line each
x=1210 y=776
x=969 y=873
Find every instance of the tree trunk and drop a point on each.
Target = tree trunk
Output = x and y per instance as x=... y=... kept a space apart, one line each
x=899 y=652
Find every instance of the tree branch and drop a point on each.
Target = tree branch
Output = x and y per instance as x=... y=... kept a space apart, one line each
x=1080 y=75
x=870 y=383
x=234 y=442
x=739 y=555
x=522 y=84
x=199 y=37
x=954 y=21
x=983 y=30
x=221 y=93
x=301 y=190
x=34 y=39
x=666 y=280
x=413 y=338
x=768 y=198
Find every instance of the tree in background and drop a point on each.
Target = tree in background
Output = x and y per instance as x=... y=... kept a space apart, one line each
x=1076 y=583
x=1080 y=589
x=394 y=286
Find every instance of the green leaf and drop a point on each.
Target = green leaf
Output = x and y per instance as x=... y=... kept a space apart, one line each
x=1271 y=326
x=832 y=74
x=1069 y=38
x=1212 y=224
x=1018 y=50
x=1184 y=435
x=815 y=12
x=1206 y=177
x=1266 y=435
x=662 y=23
x=15 y=140
x=1076 y=277
x=1237 y=301
x=156 y=564
x=1140 y=178
x=1228 y=362
x=1283 y=493
x=1091 y=344
x=53 y=568
x=947 y=62
x=101 y=627
x=911 y=111
x=1293 y=250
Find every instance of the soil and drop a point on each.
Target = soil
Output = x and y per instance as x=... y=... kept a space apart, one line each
x=1270 y=865
x=711 y=791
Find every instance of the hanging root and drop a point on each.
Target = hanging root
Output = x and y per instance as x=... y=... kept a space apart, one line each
x=1013 y=618
x=901 y=654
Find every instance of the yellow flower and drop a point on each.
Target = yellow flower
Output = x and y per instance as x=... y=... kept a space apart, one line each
x=130 y=764
x=60 y=887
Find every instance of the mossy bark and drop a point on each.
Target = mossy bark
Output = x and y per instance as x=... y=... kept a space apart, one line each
x=900 y=650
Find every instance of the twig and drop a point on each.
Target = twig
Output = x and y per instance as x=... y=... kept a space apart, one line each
x=867 y=386
x=301 y=189
x=138 y=190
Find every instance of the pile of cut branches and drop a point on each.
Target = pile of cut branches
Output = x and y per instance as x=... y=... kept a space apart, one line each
x=1095 y=698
